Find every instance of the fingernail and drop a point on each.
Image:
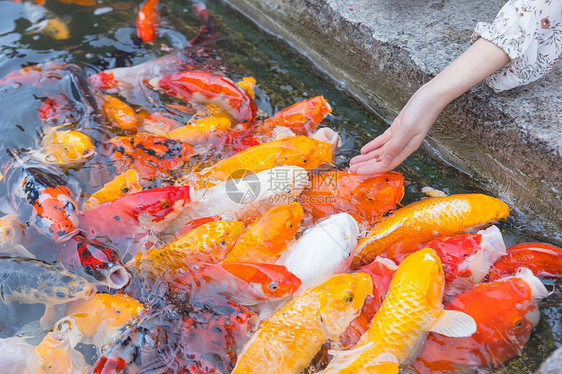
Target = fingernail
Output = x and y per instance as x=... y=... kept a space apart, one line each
x=386 y=160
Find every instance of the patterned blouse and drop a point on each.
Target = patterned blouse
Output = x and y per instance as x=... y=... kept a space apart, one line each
x=530 y=32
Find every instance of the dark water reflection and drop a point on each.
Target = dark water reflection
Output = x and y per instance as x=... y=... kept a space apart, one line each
x=105 y=38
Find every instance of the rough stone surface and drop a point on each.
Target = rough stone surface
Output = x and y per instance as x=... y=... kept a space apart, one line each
x=383 y=50
x=553 y=364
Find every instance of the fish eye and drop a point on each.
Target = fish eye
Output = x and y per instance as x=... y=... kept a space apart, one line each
x=223 y=242
x=304 y=160
x=519 y=322
x=348 y=296
x=273 y=286
x=289 y=225
x=69 y=206
x=88 y=269
x=369 y=198
x=88 y=152
x=165 y=204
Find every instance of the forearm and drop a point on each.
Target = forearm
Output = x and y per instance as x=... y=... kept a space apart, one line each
x=479 y=61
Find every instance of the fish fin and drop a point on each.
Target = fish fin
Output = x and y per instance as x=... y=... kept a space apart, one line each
x=21 y=250
x=343 y=359
x=281 y=132
x=380 y=235
x=6 y=207
x=38 y=27
x=50 y=316
x=538 y=290
x=454 y=323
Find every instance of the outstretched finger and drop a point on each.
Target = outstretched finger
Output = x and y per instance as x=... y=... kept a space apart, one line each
x=377 y=142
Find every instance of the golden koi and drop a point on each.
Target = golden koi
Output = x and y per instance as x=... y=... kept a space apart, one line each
x=55 y=355
x=119 y=113
x=288 y=340
x=123 y=184
x=411 y=309
x=424 y=220
x=65 y=147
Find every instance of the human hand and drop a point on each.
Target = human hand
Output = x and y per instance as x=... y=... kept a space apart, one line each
x=404 y=136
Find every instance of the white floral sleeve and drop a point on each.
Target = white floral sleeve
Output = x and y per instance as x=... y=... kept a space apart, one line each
x=530 y=32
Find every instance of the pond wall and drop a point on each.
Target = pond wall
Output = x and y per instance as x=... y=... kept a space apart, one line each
x=381 y=51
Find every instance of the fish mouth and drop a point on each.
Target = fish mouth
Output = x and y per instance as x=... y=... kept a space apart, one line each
x=118 y=277
x=66 y=237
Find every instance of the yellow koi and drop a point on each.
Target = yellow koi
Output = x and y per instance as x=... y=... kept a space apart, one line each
x=123 y=184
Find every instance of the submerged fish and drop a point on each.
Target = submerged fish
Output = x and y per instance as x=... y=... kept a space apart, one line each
x=29 y=281
x=202 y=132
x=288 y=340
x=95 y=261
x=210 y=88
x=424 y=220
x=46 y=22
x=544 y=260
x=411 y=309
x=41 y=198
x=502 y=331
x=100 y=318
x=147 y=21
x=324 y=250
x=12 y=236
x=44 y=74
x=118 y=113
x=268 y=236
x=367 y=196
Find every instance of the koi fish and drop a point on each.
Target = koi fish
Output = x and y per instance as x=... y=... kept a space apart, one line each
x=267 y=237
x=244 y=283
x=12 y=237
x=80 y=2
x=123 y=184
x=118 y=113
x=65 y=147
x=381 y=271
x=147 y=21
x=502 y=331
x=196 y=223
x=158 y=123
x=46 y=22
x=544 y=260
x=247 y=84
x=14 y=351
x=151 y=209
x=327 y=135
x=424 y=220
x=208 y=243
x=288 y=340
x=29 y=281
x=246 y=198
x=411 y=309
x=296 y=151
x=323 y=250
x=466 y=259
x=301 y=118
x=41 y=198
x=55 y=355
x=202 y=132
x=367 y=196
x=56 y=110
x=209 y=88
x=39 y=75
x=100 y=318
x=95 y=261
x=149 y=154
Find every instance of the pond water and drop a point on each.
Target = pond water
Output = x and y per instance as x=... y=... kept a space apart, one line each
x=103 y=36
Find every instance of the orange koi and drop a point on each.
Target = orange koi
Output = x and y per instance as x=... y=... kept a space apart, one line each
x=119 y=113
x=150 y=155
x=80 y=2
x=159 y=124
x=55 y=354
x=56 y=110
x=123 y=184
x=544 y=260
x=210 y=88
x=366 y=196
x=296 y=151
x=65 y=148
x=288 y=340
x=196 y=223
x=502 y=331
x=301 y=118
x=424 y=220
x=103 y=80
x=267 y=237
x=147 y=21
x=40 y=75
x=244 y=283
x=202 y=132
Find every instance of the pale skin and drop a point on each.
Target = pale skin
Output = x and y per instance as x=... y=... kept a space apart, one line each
x=410 y=127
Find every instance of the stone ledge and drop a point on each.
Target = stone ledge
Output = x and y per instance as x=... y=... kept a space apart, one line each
x=382 y=51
